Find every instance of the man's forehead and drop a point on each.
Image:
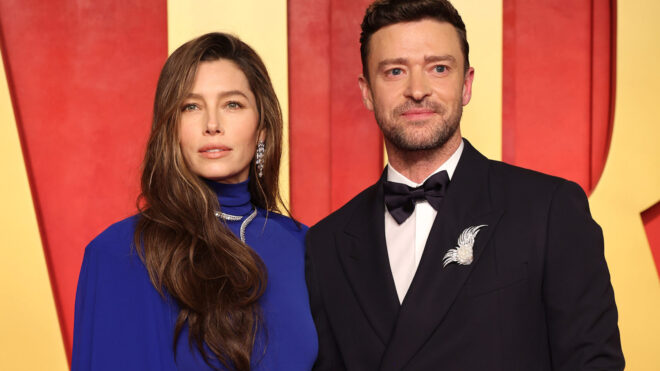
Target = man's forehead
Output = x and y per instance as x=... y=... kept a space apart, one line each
x=426 y=36
x=412 y=35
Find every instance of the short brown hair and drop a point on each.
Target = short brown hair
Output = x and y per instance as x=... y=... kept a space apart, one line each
x=382 y=13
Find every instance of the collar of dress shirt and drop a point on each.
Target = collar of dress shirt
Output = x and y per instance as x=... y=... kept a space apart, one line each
x=449 y=166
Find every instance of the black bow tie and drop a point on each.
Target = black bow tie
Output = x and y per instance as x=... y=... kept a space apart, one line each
x=400 y=199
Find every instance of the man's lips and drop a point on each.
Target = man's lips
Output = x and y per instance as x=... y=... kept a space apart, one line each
x=417 y=114
x=214 y=151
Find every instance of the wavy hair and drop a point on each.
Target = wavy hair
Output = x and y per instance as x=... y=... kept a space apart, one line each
x=215 y=279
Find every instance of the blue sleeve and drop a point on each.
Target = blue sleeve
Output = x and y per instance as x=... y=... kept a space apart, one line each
x=83 y=319
x=121 y=322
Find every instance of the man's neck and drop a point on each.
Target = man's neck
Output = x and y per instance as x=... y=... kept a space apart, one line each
x=418 y=165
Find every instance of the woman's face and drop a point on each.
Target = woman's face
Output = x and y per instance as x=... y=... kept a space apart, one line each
x=218 y=126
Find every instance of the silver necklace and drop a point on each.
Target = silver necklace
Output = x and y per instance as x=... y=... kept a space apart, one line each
x=235 y=218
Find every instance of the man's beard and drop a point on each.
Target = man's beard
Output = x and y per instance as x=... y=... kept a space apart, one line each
x=436 y=135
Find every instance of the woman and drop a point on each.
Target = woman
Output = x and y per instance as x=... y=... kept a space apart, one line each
x=207 y=275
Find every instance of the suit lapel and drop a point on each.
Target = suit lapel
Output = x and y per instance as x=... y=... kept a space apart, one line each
x=434 y=287
x=363 y=254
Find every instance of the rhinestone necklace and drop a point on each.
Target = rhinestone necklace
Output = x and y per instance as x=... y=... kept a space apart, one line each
x=235 y=218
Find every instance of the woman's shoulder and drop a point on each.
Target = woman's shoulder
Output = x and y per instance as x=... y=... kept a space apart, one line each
x=117 y=238
x=286 y=223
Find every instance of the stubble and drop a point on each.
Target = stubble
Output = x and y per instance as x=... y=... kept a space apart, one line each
x=419 y=135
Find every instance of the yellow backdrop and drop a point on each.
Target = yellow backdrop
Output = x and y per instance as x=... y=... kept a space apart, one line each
x=631 y=183
x=31 y=337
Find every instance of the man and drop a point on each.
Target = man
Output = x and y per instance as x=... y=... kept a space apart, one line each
x=452 y=261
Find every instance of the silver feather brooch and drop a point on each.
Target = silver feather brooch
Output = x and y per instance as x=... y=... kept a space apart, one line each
x=462 y=254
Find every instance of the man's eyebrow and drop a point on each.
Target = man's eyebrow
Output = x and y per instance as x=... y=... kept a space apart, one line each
x=440 y=58
x=223 y=94
x=387 y=62
x=427 y=59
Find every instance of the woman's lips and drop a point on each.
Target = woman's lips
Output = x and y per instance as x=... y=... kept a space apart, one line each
x=213 y=152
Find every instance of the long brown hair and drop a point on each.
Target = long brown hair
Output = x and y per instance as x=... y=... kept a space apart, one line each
x=215 y=278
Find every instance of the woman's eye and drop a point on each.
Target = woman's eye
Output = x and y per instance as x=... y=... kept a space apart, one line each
x=234 y=105
x=440 y=68
x=189 y=107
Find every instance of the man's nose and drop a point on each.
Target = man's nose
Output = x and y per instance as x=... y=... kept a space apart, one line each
x=418 y=85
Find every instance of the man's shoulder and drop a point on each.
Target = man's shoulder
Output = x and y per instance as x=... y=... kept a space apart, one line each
x=517 y=174
x=340 y=217
x=507 y=175
x=526 y=184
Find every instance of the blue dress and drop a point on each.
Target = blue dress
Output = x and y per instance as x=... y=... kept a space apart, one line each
x=122 y=323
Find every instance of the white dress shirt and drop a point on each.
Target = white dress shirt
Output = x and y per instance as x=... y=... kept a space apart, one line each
x=406 y=241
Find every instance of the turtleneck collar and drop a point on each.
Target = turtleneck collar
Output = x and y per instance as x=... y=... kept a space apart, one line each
x=233 y=198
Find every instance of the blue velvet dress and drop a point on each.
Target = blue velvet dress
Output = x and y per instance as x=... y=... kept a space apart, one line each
x=122 y=323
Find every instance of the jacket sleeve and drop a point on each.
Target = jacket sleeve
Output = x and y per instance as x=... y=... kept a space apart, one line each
x=329 y=357
x=579 y=299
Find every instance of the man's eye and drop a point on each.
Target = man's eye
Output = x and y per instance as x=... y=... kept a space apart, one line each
x=395 y=71
x=440 y=68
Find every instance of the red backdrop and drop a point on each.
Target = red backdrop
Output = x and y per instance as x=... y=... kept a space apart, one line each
x=336 y=146
x=82 y=79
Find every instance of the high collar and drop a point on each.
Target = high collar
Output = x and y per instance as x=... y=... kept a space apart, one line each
x=233 y=198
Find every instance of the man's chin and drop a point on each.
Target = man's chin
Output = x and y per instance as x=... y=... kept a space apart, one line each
x=416 y=145
x=421 y=141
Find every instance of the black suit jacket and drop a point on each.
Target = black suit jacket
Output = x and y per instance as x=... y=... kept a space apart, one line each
x=536 y=297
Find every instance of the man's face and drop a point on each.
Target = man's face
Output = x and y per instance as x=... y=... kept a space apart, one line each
x=417 y=83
